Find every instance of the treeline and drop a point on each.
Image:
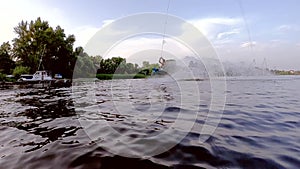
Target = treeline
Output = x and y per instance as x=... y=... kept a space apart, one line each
x=38 y=46
x=117 y=65
x=86 y=66
x=91 y=66
x=285 y=72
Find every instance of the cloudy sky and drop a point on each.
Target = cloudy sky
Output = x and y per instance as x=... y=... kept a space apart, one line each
x=238 y=30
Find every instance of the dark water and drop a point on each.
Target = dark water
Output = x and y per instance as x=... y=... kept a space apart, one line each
x=68 y=127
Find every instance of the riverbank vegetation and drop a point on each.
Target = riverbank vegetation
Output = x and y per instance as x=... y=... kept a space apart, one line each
x=285 y=72
x=38 y=46
x=121 y=76
x=118 y=68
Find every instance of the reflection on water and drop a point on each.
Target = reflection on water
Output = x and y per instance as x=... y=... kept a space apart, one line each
x=44 y=128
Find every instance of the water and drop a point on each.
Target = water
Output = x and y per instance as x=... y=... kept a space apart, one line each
x=71 y=127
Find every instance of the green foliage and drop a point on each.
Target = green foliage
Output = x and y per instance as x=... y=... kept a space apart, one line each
x=38 y=41
x=145 y=72
x=285 y=72
x=139 y=76
x=120 y=76
x=19 y=70
x=96 y=60
x=109 y=66
x=2 y=77
x=10 y=79
x=104 y=76
x=146 y=64
x=39 y=46
x=117 y=65
x=147 y=67
x=6 y=63
x=86 y=66
x=120 y=69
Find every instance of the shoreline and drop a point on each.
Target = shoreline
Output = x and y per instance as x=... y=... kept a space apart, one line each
x=36 y=84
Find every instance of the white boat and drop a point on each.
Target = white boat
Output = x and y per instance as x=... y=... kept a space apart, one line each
x=38 y=76
x=44 y=78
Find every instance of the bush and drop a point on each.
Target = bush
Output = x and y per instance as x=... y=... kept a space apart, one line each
x=2 y=77
x=19 y=70
x=120 y=76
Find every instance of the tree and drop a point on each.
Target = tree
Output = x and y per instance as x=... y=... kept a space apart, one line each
x=6 y=63
x=117 y=65
x=106 y=67
x=146 y=64
x=19 y=70
x=96 y=60
x=111 y=66
x=85 y=66
x=147 y=67
x=39 y=46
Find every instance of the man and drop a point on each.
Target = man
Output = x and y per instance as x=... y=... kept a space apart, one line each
x=162 y=61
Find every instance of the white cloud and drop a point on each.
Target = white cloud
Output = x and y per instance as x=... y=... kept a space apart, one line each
x=211 y=27
x=284 y=28
x=287 y=28
x=107 y=22
x=219 y=21
x=227 y=34
x=220 y=31
x=14 y=11
x=275 y=41
x=83 y=34
x=248 y=44
x=223 y=31
x=150 y=47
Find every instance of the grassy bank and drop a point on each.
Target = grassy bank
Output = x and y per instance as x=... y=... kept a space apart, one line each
x=120 y=76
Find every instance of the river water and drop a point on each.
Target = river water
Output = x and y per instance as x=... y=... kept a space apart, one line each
x=146 y=123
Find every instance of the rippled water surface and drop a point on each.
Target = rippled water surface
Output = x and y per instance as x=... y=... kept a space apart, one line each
x=98 y=124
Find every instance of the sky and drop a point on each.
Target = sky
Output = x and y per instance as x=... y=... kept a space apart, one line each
x=238 y=30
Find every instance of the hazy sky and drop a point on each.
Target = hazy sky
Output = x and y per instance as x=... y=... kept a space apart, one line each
x=239 y=30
